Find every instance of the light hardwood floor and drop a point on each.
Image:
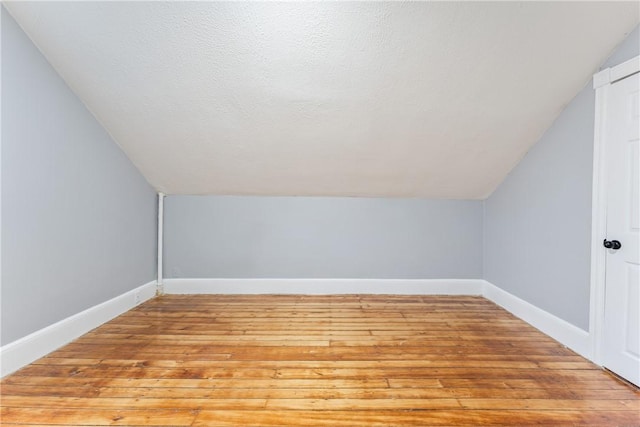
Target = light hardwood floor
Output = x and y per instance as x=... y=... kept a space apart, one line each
x=355 y=360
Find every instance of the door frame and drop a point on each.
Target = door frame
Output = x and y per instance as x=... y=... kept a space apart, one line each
x=602 y=82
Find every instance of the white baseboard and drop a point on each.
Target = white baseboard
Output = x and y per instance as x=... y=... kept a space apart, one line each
x=20 y=353
x=562 y=331
x=325 y=286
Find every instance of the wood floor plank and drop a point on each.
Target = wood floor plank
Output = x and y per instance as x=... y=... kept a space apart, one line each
x=486 y=361
x=96 y=417
x=210 y=383
x=346 y=360
x=520 y=418
x=347 y=393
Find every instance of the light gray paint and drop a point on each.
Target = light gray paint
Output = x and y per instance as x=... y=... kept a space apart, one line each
x=629 y=48
x=538 y=222
x=78 y=219
x=303 y=237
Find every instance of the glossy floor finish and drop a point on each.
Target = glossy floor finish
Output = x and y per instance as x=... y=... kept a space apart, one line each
x=350 y=360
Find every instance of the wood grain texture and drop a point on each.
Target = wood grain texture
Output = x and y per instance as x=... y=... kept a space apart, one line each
x=348 y=360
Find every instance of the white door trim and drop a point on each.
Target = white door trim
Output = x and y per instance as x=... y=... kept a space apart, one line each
x=601 y=83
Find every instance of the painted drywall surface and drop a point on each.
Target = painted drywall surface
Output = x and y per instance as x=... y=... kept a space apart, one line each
x=401 y=99
x=78 y=220
x=302 y=237
x=629 y=48
x=537 y=224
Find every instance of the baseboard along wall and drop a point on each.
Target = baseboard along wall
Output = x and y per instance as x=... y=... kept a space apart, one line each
x=325 y=286
x=560 y=330
x=20 y=353
x=26 y=350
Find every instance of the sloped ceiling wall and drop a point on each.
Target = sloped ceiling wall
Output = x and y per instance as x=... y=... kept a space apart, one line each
x=432 y=99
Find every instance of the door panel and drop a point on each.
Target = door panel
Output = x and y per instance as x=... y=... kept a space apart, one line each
x=633 y=314
x=621 y=352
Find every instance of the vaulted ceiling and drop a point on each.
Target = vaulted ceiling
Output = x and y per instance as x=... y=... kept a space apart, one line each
x=431 y=99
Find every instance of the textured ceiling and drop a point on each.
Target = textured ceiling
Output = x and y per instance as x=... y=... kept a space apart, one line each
x=432 y=99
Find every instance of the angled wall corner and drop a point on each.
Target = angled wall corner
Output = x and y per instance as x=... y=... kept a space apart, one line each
x=77 y=217
x=537 y=224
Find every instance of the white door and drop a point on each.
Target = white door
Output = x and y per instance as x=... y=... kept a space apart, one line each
x=621 y=333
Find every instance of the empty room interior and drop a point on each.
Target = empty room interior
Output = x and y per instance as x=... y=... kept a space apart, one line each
x=320 y=213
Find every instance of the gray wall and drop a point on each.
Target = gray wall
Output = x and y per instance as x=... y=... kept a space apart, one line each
x=303 y=237
x=538 y=222
x=78 y=220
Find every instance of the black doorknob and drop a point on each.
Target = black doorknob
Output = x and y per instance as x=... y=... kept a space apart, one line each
x=612 y=244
